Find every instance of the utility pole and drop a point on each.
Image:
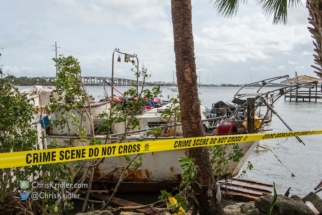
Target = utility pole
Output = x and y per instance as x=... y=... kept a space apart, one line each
x=1 y=72
x=56 y=55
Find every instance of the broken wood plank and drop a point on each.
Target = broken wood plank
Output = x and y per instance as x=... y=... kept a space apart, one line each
x=247 y=185
x=125 y=203
x=239 y=196
x=241 y=190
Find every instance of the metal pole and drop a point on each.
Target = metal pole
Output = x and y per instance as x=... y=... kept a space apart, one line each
x=56 y=55
x=1 y=72
x=112 y=78
x=137 y=77
x=250 y=114
x=289 y=128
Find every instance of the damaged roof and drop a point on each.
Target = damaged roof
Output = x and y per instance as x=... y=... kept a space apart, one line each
x=302 y=78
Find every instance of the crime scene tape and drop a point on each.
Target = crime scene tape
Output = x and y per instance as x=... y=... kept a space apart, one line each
x=68 y=154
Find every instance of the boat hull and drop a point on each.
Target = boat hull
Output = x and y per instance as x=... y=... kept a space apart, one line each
x=159 y=170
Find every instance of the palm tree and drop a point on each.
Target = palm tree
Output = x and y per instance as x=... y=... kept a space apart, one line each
x=188 y=90
x=189 y=101
x=186 y=67
x=315 y=19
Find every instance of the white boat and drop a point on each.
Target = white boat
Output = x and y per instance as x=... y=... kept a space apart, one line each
x=161 y=170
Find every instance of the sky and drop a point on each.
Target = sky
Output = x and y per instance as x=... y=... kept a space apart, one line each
x=238 y=50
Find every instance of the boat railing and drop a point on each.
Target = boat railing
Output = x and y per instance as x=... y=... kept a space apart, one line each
x=260 y=84
x=275 y=94
x=168 y=125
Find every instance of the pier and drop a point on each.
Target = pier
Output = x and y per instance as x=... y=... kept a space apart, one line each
x=99 y=81
x=304 y=95
x=312 y=92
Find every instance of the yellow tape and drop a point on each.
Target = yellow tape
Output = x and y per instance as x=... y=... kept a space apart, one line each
x=37 y=157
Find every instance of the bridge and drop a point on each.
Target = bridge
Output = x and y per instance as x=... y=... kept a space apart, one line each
x=99 y=81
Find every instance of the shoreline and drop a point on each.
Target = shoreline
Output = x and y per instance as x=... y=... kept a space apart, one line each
x=309 y=205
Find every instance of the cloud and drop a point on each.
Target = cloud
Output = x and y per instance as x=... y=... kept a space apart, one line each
x=281 y=67
x=307 y=53
x=258 y=37
x=291 y=62
x=17 y=70
x=131 y=14
x=226 y=50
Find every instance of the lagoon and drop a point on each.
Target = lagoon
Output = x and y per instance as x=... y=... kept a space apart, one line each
x=288 y=163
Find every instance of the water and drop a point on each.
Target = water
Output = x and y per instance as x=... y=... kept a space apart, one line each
x=305 y=162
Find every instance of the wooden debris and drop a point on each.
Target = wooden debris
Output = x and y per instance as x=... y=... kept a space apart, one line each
x=146 y=209
x=244 y=190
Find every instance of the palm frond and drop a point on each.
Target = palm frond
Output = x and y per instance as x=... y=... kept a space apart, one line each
x=278 y=8
x=295 y=3
x=228 y=8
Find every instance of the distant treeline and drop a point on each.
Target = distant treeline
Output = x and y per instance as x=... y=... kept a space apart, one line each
x=27 y=81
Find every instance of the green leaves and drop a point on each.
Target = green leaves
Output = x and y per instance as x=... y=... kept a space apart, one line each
x=95 y=141
x=220 y=156
x=68 y=77
x=155 y=132
x=16 y=114
x=189 y=169
x=174 y=204
x=237 y=153
x=68 y=84
x=249 y=166
x=71 y=95
x=271 y=205
x=172 y=111
x=227 y=8
x=18 y=134
x=278 y=8
x=136 y=162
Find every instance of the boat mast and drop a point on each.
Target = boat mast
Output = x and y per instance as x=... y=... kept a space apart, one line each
x=198 y=76
x=173 y=78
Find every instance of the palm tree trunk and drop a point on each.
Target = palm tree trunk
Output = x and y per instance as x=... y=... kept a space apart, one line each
x=315 y=19
x=189 y=102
